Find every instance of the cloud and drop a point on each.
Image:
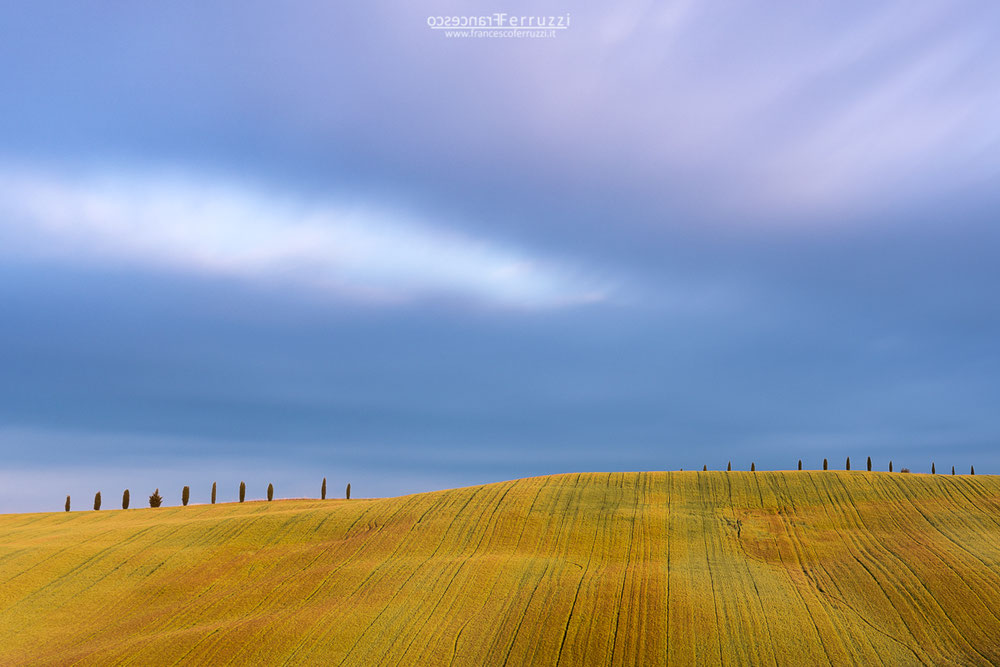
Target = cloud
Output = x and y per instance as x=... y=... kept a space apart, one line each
x=212 y=226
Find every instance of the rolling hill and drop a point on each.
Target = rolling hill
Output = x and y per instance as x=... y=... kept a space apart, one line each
x=597 y=568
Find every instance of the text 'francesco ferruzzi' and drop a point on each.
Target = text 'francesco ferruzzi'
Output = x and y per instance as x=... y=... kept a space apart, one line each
x=500 y=24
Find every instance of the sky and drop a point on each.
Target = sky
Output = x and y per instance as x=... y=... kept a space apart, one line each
x=305 y=240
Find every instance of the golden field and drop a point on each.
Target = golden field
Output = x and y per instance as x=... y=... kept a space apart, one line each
x=795 y=568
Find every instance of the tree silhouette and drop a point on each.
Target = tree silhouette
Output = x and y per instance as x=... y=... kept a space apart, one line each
x=933 y=471
x=869 y=464
x=753 y=467
x=185 y=495
x=213 y=493
x=348 y=491
x=729 y=467
x=890 y=466
x=67 y=503
x=800 y=464
x=156 y=499
x=243 y=491
x=322 y=490
x=704 y=468
x=848 y=463
x=125 y=499
x=826 y=465
x=97 y=501
x=270 y=492
x=972 y=470
x=953 y=470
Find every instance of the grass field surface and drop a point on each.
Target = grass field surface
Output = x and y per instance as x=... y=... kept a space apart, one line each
x=790 y=568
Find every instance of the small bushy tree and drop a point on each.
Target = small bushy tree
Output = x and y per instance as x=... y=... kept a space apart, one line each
x=185 y=495
x=904 y=470
x=213 y=493
x=826 y=464
x=243 y=491
x=348 y=491
x=125 y=500
x=869 y=464
x=67 y=503
x=97 y=500
x=322 y=490
x=156 y=499
x=270 y=492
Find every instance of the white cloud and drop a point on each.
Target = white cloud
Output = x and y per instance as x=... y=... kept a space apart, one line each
x=216 y=227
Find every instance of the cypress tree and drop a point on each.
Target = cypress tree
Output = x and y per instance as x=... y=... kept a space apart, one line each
x=753 y=467
x=704 y=468
x=125 y=500
x=800 y=464
x=213 y=493
x=869 y=464
x=67 y=503
x=322 y=490
x=270 y=492
x=348 y=491
x=890 y=466
x=729 y=467
x=933 y=471
x=185 y=495
x=243 y=491
x=848 y=463
x=156 y=499
x=97 y=500
x=826 y=465
x=972 y=470
x=953 y=470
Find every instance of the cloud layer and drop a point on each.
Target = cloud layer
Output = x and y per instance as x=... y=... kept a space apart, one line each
x=782 y=219
x=215 y=227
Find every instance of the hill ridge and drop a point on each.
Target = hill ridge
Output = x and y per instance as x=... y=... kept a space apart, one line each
x=787 y=567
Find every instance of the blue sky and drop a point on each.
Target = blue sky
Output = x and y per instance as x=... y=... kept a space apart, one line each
x=309 y=240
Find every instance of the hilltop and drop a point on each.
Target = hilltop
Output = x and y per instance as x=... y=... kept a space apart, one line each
x=621 y=568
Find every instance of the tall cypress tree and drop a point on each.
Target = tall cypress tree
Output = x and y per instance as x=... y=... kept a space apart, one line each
x=185 y=495
x=800 y=464
x=322 y=490
x=97 y=501
x=348 y=491
x=243 y=491
x=729 y=467
x=890 y=466
x=753 y=467
x=869 y=464
x=67 y=503
x=270 y=492
x=125 y=499
x=933 y=470
x=848 y=463
x=826 y=464
x=213 y=493
x=704 y=468
x=972 y=470
x=953 y=470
